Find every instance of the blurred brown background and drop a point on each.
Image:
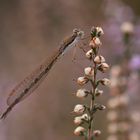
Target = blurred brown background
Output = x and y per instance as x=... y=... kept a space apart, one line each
x=29 y=32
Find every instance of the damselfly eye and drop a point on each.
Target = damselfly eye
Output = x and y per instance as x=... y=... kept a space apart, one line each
x=76 y=30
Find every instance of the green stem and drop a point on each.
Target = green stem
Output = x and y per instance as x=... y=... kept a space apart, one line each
x=93 y=83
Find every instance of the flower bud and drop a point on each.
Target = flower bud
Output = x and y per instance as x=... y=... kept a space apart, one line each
x=103 y=67
x=85 y=117
x=135 y=117
x=127 y=28
x=112 y=137
x=78 y=120
x=123 y=127
x=82 y=80
x=95 y=42
x=99 y=59
x=113 y=128
x=99 y=31
x=79 y=109
x=99 y=107
x=81 y=93
x=96 y=31
x=112 y=116
x=118 y=102
x=90 y=54
x=98 y=92
x=89 y=71
x=79 y=131
x=105 y=82
x=134 y=136
x=96 y=133
x=102 y=107
x=113 y=103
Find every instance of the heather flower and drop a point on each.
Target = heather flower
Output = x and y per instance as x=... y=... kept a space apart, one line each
x=134 y=136
x=82 y=93
x=79 y=131
x=127 y=28
x=103 y=67
x=112 y=137
x=99 y=59
x=78 y=120
x=85 y=117
x=90 y=54
x=79 y=109
x=112 y=116
x=98 y=92
x=105 y=82
x=96 y=133
x=90 y=77
x=99 y=31
x=113 y=128
x=82 y=80
x=95 y=42
x=89 y=71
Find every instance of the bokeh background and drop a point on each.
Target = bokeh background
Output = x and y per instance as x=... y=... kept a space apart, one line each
x=29 y=33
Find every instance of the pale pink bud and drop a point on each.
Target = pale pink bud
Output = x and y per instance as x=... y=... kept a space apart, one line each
x=134 y=136
x=112 y=116
x=99 y=59
x=78 y=120
x=79 y=109
x=96 y=133
x=103 y=67
x=98 y=92
x=127 y=28
x=79 y=131
x=112 y=128
x=124 y=127
x=95 y=42
x=99 y=31
x=82 y=93
x=102 y=107
x=105 y=82
x=85 y=117
x=89 y=54
x=118 y=102
x=135 y=117
x=113 y=103
x=89 y=71
x=82 y=80
x=112 y=137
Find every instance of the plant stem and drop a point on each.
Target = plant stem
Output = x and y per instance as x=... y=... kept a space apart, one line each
x=93 y=83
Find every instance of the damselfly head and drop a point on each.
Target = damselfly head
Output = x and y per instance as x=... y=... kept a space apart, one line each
x=79 y=33
x=76 y=30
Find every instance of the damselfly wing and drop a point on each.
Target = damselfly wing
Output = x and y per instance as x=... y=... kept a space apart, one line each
x=31 y=82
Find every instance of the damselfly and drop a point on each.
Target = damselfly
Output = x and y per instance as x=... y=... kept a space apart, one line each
x=31 y=82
